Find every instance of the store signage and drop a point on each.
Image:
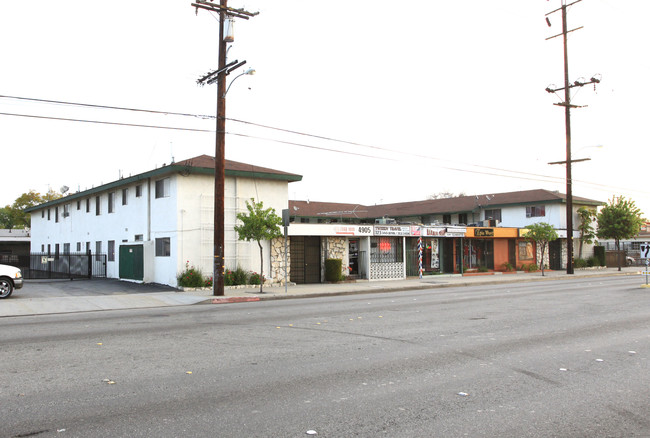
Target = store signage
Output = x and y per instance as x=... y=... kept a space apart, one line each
x=329 y=230
x=443 y=232
x=392 y=230
x=483 y=232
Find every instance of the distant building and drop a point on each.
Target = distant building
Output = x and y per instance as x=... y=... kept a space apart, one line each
x=13 y=243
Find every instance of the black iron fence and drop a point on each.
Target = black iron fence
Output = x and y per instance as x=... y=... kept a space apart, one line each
x=52 y=266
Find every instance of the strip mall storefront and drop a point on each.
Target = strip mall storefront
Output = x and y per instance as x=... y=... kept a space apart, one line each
x=385 y=252
x=493 y=249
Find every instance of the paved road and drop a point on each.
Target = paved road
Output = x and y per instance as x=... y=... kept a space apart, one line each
x=558 y=358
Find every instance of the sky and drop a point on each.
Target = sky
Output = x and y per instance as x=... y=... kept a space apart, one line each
x=370 y=101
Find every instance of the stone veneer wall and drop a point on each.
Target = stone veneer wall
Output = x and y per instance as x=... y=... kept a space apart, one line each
x=277 y=260
x=337 y=249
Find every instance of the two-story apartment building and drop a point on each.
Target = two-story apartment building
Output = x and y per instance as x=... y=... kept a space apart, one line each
x=152 y=224
x=456 y=234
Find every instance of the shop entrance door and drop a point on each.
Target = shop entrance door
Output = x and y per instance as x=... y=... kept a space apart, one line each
x=353 y=256
x=447 y=255
x=555 y=255
x=305 y=259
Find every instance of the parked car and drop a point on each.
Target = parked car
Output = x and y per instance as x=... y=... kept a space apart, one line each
x=10 y=278
x=629 y=261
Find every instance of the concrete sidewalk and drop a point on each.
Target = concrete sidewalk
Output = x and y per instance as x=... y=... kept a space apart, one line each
x=21 y=304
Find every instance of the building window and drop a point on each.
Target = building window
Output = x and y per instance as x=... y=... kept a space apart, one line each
x=111 y=250
x=78 y=205
x=78 y=246
x=43 y=213
x=98 y=206
x=66 y=248
x=111 y=202
x=162 y=188
x=162 y=247
x=87 y=246
x=138 y=190
x=98 y=251
x=462 y=218
x=48 y=214
x=446 y=218
x=139 y=237
x=66 y=210
x=526 y=251
x=386 y=250
x=56 y=214
x=125 y=196
x=493 y=214
x=56 y=251
x=535 y=211
x=42 y=248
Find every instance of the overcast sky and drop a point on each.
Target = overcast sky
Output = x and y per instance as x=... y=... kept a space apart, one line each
x=427 y=96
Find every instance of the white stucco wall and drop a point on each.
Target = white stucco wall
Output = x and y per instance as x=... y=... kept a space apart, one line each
x=185 y=217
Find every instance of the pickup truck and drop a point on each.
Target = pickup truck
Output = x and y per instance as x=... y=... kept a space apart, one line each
x=10 y=278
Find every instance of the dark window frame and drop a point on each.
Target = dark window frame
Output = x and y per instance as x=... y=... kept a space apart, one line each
x=163 y=247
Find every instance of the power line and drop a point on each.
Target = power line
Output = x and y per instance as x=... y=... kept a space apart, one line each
x=101 y=122
x=525 y=175
x=88 y=105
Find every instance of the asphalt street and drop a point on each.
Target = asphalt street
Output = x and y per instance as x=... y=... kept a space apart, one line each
x=558 y=358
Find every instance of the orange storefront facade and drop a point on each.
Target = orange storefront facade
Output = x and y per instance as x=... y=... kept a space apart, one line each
x=494 y=249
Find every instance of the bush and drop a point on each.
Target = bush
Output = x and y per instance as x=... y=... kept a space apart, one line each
x=239 y=276
x=593 y=261
x=190 y=277
x=530 y=268
x=255 y=278
x=482 y=269
x=333 y=270
x=580 y=263
x=508 y=266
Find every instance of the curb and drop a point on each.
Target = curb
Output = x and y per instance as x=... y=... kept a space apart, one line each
x=227 y=300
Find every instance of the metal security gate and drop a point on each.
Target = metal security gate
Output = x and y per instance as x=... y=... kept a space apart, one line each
x=305 y=259
x=52 y=266
x=555 y=255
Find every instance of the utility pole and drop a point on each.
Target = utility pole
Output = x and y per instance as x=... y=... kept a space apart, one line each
x=219 y=76
x=567 y=121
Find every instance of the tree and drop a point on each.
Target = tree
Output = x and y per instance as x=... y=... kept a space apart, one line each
x=259 y=224
x=620 y=219
x=541 y=233
x=587 y=233
x=14 y=216
x=445 y=195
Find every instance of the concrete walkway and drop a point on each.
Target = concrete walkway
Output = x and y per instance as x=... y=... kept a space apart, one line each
x=21 y=304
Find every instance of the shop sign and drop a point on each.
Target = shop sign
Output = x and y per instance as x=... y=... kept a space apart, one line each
x=329 y=230
x=443 y=232
x=392 y=230
x=416 y=231
x=483 y=232
x=435 y=231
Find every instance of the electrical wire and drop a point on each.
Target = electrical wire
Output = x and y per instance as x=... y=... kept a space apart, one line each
x=523 y=175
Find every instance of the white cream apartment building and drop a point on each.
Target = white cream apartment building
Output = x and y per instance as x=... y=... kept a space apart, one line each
x=152 y=224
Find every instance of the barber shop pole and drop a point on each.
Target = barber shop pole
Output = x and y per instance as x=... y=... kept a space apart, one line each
x=420 y=246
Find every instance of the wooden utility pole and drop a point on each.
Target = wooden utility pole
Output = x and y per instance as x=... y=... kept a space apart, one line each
x=567 y=121
x=219 y=76
x=220 y=163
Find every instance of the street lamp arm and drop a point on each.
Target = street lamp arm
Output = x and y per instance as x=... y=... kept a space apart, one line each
x=250 y=71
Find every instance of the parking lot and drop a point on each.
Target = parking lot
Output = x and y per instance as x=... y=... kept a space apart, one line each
x=71 y=288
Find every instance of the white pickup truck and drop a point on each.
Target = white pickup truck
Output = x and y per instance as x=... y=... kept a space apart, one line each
x=10 y=278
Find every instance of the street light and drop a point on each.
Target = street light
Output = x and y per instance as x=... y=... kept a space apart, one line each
x=250 y=71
